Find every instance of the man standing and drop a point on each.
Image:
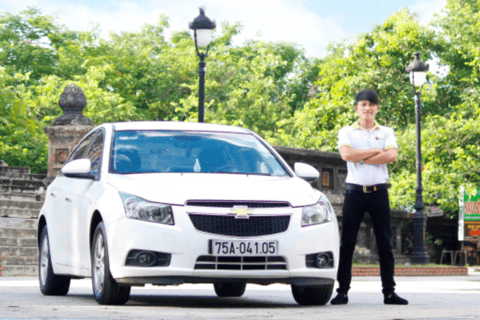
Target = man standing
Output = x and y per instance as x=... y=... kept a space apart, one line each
x=367 y=147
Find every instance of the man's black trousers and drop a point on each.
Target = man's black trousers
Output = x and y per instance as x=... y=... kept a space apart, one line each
x=377 y=205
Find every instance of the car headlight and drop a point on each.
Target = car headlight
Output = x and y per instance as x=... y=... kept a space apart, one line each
x=141 y=209
x=321 y=212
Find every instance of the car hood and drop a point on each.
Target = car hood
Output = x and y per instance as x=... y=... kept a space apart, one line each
x=177 y=189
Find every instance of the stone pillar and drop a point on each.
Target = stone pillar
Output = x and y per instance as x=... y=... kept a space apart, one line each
x=67 y=130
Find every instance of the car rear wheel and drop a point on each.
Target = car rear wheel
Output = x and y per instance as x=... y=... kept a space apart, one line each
x=105 y=288
x=230 y=289
x=312 y=296
x=50 y=284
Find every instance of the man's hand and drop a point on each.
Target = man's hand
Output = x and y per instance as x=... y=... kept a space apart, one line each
x=384 y=157
x=357 y=155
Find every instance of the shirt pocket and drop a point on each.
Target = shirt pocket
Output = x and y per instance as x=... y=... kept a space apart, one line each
x=378 y=141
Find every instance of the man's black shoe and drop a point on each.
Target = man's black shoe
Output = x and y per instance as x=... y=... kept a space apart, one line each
x=393 y=298
x=341 y=298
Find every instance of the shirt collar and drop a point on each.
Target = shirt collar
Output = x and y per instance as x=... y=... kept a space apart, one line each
x=355 y=125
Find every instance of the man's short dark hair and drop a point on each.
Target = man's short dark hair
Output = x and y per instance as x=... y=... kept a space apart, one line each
x=368 y=95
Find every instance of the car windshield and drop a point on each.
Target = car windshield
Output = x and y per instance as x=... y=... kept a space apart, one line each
x=196 y=152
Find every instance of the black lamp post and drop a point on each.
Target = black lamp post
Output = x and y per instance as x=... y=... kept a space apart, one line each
x=418 y=73
x=202 y=28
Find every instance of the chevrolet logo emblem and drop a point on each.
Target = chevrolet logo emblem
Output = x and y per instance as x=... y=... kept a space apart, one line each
x=241 y=212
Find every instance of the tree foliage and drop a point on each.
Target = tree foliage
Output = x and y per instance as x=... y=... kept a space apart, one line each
x=373 y=60
x=139 y=75
x=22 y=141
x=269 y=87
x=25 y=43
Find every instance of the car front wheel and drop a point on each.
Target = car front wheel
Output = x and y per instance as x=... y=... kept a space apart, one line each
x=230 y=289
x=105 y=288
x=50 y=284
x=312 y=295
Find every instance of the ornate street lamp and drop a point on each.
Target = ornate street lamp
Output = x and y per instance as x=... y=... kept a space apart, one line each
x=202 y=28
x=418 y=76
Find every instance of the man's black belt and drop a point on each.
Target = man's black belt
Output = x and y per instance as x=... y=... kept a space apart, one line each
x=368 y=189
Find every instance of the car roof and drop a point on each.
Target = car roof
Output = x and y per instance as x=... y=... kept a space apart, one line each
x=177 y=126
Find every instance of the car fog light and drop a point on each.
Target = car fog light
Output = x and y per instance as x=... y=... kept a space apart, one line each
x=146 y=258
x=322 y=260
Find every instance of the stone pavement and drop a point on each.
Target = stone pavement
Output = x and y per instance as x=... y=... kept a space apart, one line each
x=430 y=298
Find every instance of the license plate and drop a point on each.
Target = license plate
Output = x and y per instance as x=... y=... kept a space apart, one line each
x=243 y=248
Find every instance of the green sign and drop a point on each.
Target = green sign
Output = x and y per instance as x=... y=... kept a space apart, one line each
x=469 y=216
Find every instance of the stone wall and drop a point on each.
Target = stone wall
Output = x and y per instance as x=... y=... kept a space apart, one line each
x=21 y=197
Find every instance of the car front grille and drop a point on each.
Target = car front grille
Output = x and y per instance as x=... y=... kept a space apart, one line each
x=231 y=204
x=241 y=263
x=230 y=226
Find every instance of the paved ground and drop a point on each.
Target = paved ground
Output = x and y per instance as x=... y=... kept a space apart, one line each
x=430 y=298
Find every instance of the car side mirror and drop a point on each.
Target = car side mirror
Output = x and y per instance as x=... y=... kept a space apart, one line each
x=306 y=171
x=78 y=169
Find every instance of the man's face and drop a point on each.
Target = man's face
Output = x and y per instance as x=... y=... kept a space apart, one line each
x=366 y=110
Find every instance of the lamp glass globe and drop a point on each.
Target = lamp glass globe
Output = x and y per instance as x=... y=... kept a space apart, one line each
x=418 y=78
x=204 y=36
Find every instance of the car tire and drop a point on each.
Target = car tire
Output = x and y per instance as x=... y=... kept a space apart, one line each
x=312 y=295
x=50 y=284
x=230 y=289
x=105 y=289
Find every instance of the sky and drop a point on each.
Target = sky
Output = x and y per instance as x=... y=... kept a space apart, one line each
x=313 y=24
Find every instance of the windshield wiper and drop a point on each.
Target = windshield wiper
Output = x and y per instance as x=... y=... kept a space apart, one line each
x=247 y=173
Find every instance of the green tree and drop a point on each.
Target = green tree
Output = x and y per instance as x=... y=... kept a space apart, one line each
x=23 y=142
x=103 y=105
x=373 y=60
x=269 y=87
x=450 y=137
x=246 y=85
x=249 y=85
x=460 y=51
x=25 y=43
x=450 y=157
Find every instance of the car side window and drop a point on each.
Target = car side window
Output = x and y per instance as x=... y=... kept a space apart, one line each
x=96 y=151
x=82 y=148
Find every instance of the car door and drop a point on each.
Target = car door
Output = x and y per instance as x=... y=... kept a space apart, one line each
x=62 y=201
x=85 y=194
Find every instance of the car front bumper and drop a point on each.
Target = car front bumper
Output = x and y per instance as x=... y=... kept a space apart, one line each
x=186 y=244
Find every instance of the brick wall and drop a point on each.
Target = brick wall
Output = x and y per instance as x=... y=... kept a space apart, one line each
x=412 y=271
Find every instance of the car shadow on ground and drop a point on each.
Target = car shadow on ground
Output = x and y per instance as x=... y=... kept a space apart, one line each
x=206 y=302
x=192 y=301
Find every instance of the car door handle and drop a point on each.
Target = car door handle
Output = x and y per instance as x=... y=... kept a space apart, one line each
x=53 y=194
x=68 y=199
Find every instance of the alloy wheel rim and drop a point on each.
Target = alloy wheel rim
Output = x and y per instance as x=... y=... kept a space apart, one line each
x=99 y=263
x=44 y=260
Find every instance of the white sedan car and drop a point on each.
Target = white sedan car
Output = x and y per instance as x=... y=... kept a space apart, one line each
x=167 y=203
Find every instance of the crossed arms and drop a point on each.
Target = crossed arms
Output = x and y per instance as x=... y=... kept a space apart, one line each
x=369 y=156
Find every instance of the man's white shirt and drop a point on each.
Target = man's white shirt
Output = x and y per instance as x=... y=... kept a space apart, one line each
x=356 y=137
